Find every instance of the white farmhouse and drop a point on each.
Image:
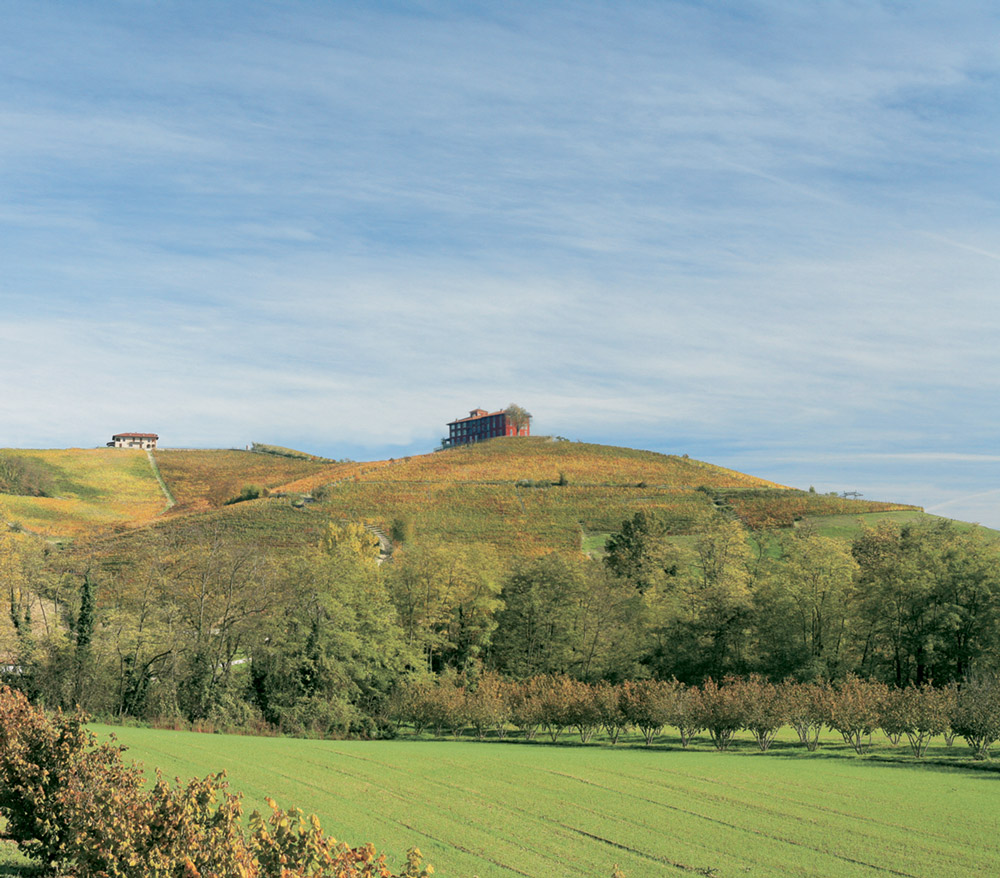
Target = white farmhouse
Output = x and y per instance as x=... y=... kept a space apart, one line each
x=133 y=440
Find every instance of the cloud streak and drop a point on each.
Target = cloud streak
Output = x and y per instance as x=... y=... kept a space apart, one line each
x=766 y=233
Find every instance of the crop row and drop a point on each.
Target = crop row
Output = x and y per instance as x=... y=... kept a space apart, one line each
x=854 y=707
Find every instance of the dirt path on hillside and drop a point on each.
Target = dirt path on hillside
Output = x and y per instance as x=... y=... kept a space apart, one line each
x=159 y=478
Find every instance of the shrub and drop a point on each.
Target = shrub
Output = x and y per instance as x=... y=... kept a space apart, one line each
x=720 y=710
x=79 y=809
x=287 y=845
x=977 y=713
x=25 y=476
x=856 y=708
x=762 y=706
x=51 y=775
x=807 y=709
x=249 y=492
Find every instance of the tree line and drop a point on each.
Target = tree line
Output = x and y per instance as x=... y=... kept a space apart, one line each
x=488 y=705
x=191 y=627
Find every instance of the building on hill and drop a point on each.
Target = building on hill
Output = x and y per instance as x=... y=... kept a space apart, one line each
x=133 y=440
x=481 y=425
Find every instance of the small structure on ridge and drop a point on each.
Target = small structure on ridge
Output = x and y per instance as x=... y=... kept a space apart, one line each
x=133 y=440
x=481 y=425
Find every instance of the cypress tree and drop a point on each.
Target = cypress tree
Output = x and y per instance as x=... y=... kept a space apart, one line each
x=85 y=621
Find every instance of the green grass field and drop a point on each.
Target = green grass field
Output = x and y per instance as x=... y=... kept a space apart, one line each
x=498 y=810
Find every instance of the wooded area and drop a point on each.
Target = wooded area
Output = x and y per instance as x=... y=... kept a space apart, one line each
x=195 y=629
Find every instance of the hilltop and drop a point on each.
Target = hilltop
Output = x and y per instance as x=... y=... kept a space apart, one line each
x=523 y=495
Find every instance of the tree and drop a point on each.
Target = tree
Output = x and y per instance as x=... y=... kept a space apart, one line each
x=927 y=601
x=21 y=576
x=802 y=607
x=332 y=649
x=519 y=418
x=537 y=630
x=446 y=597
x=353 y=536
x=84 y=634
x=720 y=595
x=641 y=553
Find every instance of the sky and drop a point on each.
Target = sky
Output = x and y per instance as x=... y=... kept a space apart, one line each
x=764 y=234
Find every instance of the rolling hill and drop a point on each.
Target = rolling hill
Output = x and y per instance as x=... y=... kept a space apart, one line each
x=522 y=495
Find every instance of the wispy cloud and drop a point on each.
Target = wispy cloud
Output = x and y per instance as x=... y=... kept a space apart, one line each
x=751 y=229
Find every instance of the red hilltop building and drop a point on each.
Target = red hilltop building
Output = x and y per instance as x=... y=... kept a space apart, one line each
x=481 y=425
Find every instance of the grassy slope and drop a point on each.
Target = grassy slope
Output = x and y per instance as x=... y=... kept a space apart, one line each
x=473 y=494
x=501 y=492
x=202 y=480
x=92 y=489
x=497 y=810
x=479 y=493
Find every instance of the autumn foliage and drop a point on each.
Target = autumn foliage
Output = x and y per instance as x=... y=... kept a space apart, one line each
x=77 y=807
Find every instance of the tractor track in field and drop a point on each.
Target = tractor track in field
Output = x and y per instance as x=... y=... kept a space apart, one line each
x=735 y=826
x=409 y=801
x=697 y=870
x=546 y=820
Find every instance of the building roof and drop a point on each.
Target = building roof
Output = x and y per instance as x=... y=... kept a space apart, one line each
x=135 y=436
x=476 y=414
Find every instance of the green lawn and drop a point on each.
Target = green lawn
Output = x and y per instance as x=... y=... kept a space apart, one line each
x=846 y=527
x=493 y=809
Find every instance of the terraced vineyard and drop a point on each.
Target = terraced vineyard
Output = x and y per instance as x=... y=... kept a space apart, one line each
x=499 y=810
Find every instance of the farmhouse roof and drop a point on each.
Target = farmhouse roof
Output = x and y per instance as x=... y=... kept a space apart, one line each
x=135 y=436
x=476 y=414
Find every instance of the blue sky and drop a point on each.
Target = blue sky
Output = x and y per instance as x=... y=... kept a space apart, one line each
x=763 y=234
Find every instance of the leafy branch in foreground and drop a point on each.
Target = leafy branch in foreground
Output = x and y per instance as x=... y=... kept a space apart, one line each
x=77 y=807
